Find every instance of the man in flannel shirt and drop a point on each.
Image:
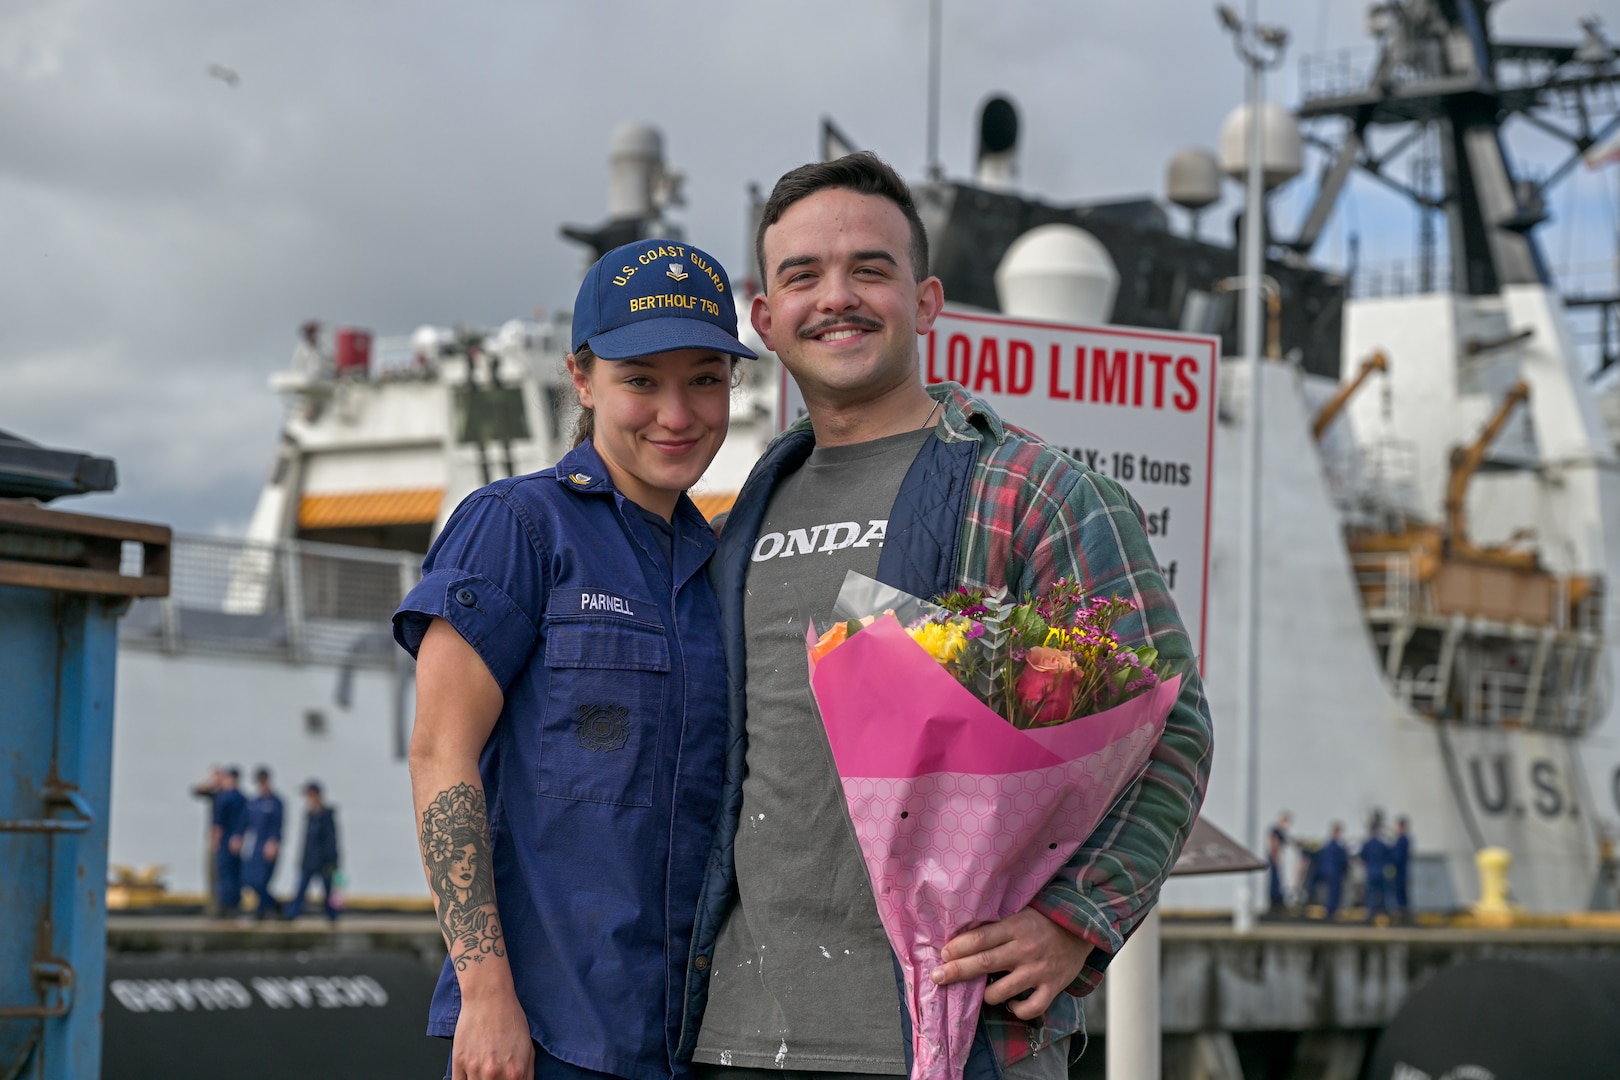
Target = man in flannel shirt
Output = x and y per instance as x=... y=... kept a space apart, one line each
x=927 y=489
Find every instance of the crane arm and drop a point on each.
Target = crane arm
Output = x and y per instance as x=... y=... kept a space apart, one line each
x=1465 y=462
x=1341 y=397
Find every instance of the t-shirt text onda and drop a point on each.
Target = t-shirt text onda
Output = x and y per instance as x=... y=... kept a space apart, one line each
x=820 y=539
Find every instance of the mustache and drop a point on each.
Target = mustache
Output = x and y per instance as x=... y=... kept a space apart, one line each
x=858 y=321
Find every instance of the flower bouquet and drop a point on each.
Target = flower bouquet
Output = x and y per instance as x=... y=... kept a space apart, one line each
x=969 y=776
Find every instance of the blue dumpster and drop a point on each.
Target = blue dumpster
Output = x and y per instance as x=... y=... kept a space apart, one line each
x=64 y=581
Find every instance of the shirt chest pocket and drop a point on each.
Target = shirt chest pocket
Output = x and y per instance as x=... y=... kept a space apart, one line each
x=599 y=739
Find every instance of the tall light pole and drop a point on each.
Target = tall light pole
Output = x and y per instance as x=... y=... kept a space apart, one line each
x=1260 y=48
x=935 y=17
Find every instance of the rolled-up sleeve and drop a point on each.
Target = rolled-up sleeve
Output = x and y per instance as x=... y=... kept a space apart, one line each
x=485 y=578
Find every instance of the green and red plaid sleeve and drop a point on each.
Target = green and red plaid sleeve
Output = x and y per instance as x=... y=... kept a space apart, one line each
x=1034 y=515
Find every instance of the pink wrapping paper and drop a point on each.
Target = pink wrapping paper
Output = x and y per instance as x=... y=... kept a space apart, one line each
x=961 y=817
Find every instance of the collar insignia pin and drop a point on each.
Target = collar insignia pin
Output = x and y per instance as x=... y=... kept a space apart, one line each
x=677 y=273
x=579 y=478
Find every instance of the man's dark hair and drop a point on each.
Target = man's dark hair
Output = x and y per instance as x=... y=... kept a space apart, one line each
x=862 y=172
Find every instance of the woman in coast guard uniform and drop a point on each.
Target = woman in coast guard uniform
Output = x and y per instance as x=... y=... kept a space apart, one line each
x=567 y=755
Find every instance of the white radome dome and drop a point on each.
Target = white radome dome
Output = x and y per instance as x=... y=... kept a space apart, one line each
x=635 y=162
x=1058 y=272
x=1282 y=153
x=1193 y=179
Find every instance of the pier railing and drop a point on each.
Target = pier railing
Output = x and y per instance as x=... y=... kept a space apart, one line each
x=294 y=601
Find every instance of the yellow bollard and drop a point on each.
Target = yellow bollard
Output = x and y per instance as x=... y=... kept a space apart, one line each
x=1493 y=864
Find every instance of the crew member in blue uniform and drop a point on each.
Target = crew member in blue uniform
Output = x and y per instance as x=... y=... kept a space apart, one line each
x=319 y=858
x=1375 y=860
x=1276 y=849
x=230 y=821
x=1310 y=881
x=1332 y=862
x=571 y=713
x=264 y=818
x=1400 y=857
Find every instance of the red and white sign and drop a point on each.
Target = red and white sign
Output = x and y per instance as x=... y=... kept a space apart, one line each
x=1134 y=405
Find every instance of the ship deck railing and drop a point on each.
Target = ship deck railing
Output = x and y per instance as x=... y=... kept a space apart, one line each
x=1336 y=73
x=1390 y=591
x=1400 y=277
x=1386 y=278
x=1480 y=671
x=1373 y=484
x=296 y=601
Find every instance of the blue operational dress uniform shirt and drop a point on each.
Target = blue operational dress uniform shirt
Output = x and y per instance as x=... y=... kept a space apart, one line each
x=1331 y=863
x=265 y=815
x=230 y=814
x=319 y=860
x=1400 y=854
x=1279 y=840
x=602 y=775
x=1375 y=857
x=320 y=841
x=264 y=820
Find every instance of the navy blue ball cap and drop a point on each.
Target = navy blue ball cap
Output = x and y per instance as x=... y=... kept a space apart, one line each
x=656 y=296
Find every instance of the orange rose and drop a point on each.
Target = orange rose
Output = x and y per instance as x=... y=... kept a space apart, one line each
x=829 y=641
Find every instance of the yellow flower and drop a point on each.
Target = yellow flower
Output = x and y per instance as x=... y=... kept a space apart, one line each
x=942 y=641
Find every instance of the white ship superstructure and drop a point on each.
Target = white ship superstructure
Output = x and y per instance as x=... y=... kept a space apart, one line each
x=1472 y=488
x=1510 y=639
x=1360 y=654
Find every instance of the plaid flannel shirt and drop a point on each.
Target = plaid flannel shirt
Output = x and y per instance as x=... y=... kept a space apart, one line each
x=1035 y=515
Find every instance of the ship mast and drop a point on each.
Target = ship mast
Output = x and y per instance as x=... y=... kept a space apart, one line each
x=1440 y=70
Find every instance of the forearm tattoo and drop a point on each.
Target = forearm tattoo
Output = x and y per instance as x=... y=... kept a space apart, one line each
x=455 y=847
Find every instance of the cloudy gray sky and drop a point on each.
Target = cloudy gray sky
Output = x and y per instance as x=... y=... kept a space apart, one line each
x=162 y=233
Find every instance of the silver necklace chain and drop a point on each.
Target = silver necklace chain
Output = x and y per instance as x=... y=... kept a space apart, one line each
x=930 y=417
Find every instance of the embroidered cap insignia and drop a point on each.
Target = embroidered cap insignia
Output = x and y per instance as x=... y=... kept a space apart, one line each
x=677 y=273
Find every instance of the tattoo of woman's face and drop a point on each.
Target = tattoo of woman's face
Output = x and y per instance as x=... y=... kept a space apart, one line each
x=463 y=867
x=455 y=846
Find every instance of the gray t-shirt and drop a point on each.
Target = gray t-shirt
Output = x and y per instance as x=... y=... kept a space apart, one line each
x=803 y=977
